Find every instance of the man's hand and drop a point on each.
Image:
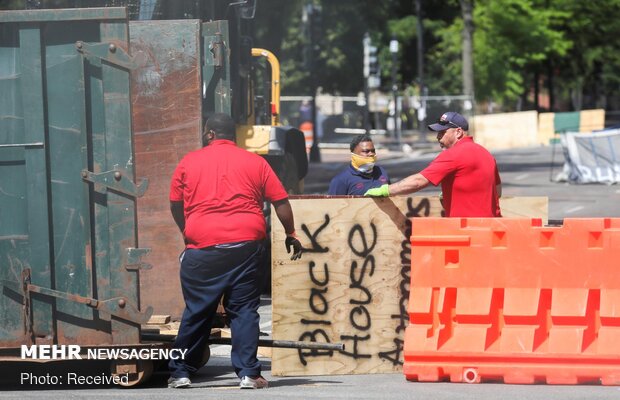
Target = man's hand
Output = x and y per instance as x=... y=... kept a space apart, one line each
x=292 y=241
x=381 y=191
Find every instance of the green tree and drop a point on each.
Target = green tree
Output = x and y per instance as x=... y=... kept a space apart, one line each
x=589 y=74
x=511 y=38
x=278 y=28
x=338 y=48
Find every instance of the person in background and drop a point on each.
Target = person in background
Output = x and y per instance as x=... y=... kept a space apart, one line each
x=305 y=112
x=216 y=200
x=470 y=181
x=362 y=174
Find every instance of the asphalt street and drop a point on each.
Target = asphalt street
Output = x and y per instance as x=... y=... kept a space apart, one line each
x=525 y=172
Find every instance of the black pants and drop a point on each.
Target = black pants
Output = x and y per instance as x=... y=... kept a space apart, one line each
x=206 y=275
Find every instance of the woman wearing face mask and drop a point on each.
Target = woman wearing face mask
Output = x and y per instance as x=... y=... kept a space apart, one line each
x=362 y=174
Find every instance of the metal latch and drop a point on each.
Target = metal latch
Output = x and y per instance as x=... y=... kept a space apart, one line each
x=117 y=181
x=111 y=54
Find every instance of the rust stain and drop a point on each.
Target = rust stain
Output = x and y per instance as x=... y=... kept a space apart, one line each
x=166 y=101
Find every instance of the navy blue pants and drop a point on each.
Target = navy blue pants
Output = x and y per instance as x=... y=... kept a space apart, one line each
x=206 y=275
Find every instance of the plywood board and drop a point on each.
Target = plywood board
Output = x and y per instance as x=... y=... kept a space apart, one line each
x=525 y=207
x=507 y=130
x=591 y=120
x=351 y=285
x=159 y=319
x=546 y=132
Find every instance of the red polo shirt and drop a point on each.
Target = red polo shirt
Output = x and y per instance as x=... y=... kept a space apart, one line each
x=222 y=188
x=468 y=175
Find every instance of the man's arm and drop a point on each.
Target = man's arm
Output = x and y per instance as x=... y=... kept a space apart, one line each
x=410 y=184
x=498 y=182
x=176 y=208
x=285 y=215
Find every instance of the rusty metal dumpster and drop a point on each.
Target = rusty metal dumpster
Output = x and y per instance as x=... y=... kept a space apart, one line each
x=69 y=259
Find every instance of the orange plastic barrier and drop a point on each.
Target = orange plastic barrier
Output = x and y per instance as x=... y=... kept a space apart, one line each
x=307 y=129
x=500 y=299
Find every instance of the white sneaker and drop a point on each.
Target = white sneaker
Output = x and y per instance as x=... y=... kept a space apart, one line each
x=179 y=383
x=257 y=382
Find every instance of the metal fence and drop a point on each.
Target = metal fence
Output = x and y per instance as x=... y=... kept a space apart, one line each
x=341 y=117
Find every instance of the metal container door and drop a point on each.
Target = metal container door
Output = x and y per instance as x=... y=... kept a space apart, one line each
x=68 y=250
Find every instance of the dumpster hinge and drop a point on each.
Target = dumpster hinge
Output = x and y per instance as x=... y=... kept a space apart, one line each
x=117 y=181
x=118 y=306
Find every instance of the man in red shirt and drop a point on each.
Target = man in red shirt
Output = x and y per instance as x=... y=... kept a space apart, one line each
x=216 y=198
x=468 y=174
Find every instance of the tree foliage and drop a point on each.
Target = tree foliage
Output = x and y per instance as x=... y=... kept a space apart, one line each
x=512 y=37
x=590 y=71
x=337 y=46
x=515 y=44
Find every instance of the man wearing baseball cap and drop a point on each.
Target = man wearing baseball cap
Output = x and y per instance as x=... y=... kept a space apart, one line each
x=468 y=174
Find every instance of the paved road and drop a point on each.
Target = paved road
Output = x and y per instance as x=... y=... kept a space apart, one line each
x=525 y=172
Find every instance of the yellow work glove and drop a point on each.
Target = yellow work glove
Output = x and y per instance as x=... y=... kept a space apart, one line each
x=381 y=191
